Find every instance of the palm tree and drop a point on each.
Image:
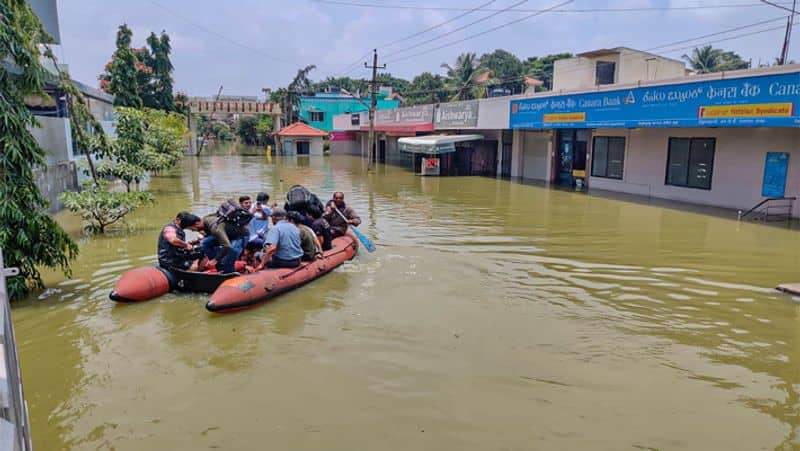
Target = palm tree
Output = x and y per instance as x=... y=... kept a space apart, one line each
x=704 y=60
x=298 y=86
x=465 y=77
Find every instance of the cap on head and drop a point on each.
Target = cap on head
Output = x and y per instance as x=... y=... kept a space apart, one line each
x=279 y=213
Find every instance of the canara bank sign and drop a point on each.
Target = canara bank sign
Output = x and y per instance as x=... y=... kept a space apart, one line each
x=764 y=101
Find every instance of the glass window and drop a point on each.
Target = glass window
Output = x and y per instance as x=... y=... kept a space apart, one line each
x=604 y=72
x=690 y=162
x=608 y=156
x=316 y=116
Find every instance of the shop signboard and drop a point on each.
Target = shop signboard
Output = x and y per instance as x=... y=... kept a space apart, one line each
x=457 y=115
x=775 y=169
x=761 y=101
x=420 y=114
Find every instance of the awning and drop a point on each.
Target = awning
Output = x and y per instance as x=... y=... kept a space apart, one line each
x=434 y=144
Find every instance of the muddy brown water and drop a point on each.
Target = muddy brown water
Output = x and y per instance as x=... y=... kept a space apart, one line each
x=493 y=316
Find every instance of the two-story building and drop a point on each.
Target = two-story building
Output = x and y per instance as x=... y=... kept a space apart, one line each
x=319 y=109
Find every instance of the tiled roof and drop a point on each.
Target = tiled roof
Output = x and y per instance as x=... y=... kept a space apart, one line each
x=301 y=129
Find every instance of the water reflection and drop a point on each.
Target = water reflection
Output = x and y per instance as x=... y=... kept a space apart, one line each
x=579 y=314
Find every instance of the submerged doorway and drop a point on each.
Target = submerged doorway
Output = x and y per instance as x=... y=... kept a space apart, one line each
x=571 y=158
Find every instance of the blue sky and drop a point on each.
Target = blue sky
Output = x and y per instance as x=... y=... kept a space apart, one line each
x=262 y=43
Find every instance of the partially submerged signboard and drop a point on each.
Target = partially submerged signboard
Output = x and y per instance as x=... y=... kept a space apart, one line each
x=759 y=101
x=457 y=115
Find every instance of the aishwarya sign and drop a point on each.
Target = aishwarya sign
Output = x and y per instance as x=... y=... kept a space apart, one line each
x=457 y=115
x=775 y=169
x=761 y=101
x=420 y=114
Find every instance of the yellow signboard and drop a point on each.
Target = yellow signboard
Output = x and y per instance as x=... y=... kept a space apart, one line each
x=565 y=117
x=749 y=110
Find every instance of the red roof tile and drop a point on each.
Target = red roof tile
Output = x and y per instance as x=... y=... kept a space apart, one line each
x=301 y=129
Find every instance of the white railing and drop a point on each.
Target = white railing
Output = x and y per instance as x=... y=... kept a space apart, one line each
x=14 y=425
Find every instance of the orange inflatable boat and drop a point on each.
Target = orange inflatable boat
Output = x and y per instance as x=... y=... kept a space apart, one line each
x=150 y=282
x=250 y=290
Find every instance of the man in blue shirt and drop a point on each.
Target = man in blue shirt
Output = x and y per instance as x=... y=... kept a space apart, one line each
x=260 y=223
x=282 y=247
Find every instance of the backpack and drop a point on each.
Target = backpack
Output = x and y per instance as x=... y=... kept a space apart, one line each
x=298 y=195
x=232 y=213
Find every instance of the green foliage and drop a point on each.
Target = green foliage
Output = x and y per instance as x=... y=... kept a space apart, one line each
x=426 y=88
x=161 y=72
x=123 y=83
x=507 y=70
x=351 y=85
x=707 y=59
x=99 y=207
x=219 y=129
x=541 y=68
x=289 y=98
x=398 y=85
x=463 y=77
x=29 y=237
x=255 y=130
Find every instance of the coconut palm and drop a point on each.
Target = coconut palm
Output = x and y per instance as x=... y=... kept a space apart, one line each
x=290 y=97
x=465 y=77
x=704 y=60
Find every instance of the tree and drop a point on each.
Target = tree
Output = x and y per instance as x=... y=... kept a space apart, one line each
x=507 y=70
x=351 y=85
x=707 y=59
x=541 y=68
x=123 y=83
x=29 y=237
x=398 y=85
x=161 y=71
x=99 y=207
x=255 y=130
x=426 y=88
x=464 y=77
x=291 y=96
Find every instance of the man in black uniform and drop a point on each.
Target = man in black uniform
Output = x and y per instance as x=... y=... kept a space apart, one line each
x=173 y=249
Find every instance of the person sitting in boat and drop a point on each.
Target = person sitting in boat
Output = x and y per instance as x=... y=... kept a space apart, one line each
x=321 y=228
x=248 y=261
x=338 y=223
x=260 y=222
x=226 y=234
x=312 y=249
x=173 y=249
x=282 y=247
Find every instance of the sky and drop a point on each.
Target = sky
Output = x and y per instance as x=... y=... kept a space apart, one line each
x=247 y=45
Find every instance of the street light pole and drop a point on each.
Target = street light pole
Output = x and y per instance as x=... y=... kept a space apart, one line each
x=372 y=106
x=789 y=23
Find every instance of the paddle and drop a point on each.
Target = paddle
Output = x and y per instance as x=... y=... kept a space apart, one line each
x=361 y=237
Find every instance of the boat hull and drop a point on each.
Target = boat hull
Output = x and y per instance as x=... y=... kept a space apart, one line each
x=150 y=282
x=251 y=290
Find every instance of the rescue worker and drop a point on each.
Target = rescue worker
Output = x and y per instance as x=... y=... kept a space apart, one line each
x=173 y=249
x=334 y=218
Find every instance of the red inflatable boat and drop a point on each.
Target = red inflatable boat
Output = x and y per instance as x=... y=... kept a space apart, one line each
x=150 y=282
x=250 y=290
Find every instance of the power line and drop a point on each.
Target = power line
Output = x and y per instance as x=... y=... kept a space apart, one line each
x=221 y=36
x=579 y=10
x=435 y=38
x=523 y=18
x=354 y=65
x=730 y=38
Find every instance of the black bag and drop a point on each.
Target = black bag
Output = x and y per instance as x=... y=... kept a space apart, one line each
x=232 y=213
x=298 y=195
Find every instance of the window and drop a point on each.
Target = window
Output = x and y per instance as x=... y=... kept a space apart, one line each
x=608 y=157
x=604 y=72
x=690 y=162
x=316 y=116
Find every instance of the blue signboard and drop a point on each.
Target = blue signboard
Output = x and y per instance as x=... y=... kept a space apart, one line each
x=763 y=101
x=775 y=169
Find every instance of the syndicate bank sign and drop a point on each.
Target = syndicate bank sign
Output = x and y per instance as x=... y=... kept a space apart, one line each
x=457 y=115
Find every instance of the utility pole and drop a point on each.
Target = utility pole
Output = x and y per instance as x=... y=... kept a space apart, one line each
x=788 y=36
x=372 y=105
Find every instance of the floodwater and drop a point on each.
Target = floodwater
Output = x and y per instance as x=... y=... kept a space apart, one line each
x=493 y=316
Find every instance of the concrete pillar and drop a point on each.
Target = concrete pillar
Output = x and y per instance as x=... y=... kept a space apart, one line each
x=191 y=148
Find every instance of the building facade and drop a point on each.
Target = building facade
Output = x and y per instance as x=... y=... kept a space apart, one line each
x=318 y=110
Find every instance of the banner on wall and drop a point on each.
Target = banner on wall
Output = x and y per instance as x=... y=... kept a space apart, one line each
x=776 y=167
x=763 y=101
x=457 y=115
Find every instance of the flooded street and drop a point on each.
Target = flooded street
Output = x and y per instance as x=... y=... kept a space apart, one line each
x=493 y=316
